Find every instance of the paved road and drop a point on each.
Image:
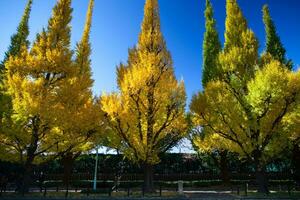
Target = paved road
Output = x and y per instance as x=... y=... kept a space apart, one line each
x=193 y=195
x=209 y=195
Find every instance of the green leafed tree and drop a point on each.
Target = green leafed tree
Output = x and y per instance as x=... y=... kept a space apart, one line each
x=274 y=45
x=211 y=46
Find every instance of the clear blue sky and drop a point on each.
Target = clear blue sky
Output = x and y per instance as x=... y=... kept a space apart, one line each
x=116 y=24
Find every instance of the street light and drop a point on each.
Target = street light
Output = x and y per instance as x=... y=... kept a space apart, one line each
x=96 y=168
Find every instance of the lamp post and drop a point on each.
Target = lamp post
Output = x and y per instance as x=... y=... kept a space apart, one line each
x=96 y=168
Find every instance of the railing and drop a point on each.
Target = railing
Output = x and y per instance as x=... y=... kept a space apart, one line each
x=169 y=177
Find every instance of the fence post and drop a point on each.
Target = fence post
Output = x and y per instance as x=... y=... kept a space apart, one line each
x=180 y=187
x=289 y=189
x=45 y=191
x=160 y=190
x=109 y=192
x=67 y=193
x=88 y=191
x=67 y=190
x=143 y=191
x=246 y=189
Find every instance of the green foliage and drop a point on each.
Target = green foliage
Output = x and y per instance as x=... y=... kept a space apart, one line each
x=273 y=44
x=211 y=47
x=235 y=25
x=19 y=39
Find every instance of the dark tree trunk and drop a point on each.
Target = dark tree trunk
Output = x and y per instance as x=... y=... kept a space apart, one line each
x=67 y=161
x=26 y=178
x=148 y=178
x=296 y=162
x=223 y=165
x=261 y=178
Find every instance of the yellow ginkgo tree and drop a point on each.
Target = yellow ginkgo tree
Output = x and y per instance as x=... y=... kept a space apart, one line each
x=147 y=114
x=248 y=108
x=33 y=79
x=78 y=121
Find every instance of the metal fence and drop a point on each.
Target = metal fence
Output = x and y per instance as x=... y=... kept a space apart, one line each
x=169 y=177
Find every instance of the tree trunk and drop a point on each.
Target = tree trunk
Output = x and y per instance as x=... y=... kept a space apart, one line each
x=148 y=178
x=223 y=165
x=67 y=161
x=261 y=178
x=296 y=162
x=26 y=178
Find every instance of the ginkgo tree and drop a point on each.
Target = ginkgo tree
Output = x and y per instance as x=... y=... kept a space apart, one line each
x=210 y=71
x=79 y=115
x=18 y=41
x=247 y=109
x=32 y=79
x=275 y=49
x=147 y=114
